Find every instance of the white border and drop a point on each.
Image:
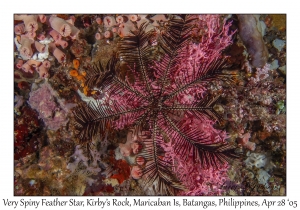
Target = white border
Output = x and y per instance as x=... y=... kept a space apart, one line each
x=153 y=6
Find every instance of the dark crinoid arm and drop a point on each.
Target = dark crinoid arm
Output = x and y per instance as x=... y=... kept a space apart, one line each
x=196 y=139
x=96 y=118
x=137 y=52
x=120 y=106
x=128 y=104
x=158 y=172
x=151 y=100
x=186 y=71
x=180 y=72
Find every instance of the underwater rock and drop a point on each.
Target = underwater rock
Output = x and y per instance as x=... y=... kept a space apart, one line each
x=51 y=109
x=252 y=38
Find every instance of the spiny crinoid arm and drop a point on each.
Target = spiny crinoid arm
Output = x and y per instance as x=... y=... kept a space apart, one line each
x=197 y=145
x=92 y=119
x=201 y=109
x=109 y=81
x=136 y=51
x=157 y=171
x=199 y=76
x=176 y=35
x=173 y=41
x=98 y=74
x=118 y=86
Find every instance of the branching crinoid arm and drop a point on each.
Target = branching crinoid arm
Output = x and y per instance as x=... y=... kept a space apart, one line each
x=173 y=40
x=201 y=75
x=98 y=74
x=124 y=105
x=158 y=172
x=195 y=144
x=136 y=51
x=198 y=64
x=200 y=109
x=109 y=81
x=92 y=119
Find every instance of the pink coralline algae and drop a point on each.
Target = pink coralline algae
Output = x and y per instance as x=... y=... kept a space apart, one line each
x=51 y=109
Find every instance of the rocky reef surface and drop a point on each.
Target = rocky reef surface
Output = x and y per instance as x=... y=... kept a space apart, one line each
x=55 y=56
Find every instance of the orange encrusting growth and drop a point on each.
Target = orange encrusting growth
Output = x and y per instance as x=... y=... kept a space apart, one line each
x=73 y=73
x=81 y=78
x=85 y=90
x=76 y=63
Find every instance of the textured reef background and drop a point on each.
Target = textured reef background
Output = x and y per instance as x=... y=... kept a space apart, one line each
x=149 y=104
